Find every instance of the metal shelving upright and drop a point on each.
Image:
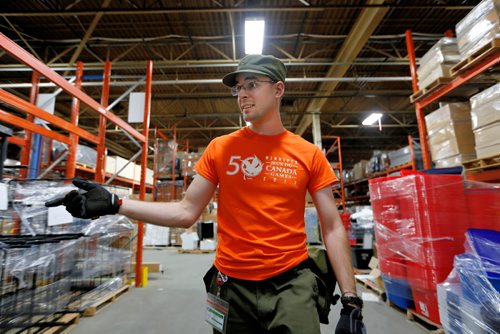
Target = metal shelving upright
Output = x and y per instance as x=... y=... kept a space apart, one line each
x=460 y=78
x=75 y=132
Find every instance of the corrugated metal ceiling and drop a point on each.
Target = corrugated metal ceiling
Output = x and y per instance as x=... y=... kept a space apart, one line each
x=198 y=40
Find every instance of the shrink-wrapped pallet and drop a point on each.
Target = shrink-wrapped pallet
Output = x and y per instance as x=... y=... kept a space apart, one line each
x=438 y=61
x=485 y=116
x=478 y=28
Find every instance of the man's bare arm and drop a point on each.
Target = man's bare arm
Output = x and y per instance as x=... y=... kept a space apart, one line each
x=173 y=214
x=335 y=239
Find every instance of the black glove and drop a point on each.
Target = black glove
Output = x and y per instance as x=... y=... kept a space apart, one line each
x=96 y=202
x=351 y=321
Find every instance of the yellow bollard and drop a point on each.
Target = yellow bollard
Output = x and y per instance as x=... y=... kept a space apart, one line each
x=144 y=277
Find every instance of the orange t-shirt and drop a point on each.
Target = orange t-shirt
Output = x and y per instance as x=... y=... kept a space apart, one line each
x=262 y=187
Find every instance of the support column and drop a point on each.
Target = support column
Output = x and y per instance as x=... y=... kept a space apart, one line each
x=73 y=137
x=422 y=129
x=144 y=166
x=101 y=148
x=28 y=137
x=316 y=130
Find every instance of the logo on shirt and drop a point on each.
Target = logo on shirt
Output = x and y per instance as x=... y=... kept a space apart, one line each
x=276 y=169
x=281 y=170
x=250 y=167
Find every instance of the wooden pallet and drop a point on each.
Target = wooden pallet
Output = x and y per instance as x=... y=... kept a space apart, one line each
x=432 y=87
x=476 y=57
x=195 y=251
x=53 y=324
x=371 y=286
x=422 y=322
x=161 y=247
x=66 y=323
x=479 y=165
x=361 y=271
x=104 y=301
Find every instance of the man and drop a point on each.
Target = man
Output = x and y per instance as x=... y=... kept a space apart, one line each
x=261 y=281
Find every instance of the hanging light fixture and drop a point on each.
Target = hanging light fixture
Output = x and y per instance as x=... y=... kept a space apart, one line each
x=374 y=117
x=254 y=36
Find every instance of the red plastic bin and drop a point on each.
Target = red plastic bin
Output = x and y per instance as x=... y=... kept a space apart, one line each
x=436 y=253
x=424 y=277
x=426 y=303
x=435 y=204
x=483 y=206
x=384 y=200
x=393 y=267
x=346 y=220
x=420 y=205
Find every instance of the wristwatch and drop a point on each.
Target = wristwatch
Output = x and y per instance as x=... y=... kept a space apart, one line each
x=351 y=300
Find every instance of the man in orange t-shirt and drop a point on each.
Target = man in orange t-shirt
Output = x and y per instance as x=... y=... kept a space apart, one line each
x=261 y=281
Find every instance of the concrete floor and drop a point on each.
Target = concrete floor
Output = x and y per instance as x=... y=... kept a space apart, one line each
x=174 y=303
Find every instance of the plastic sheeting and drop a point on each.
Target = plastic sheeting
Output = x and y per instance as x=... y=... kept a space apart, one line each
x=437 y=62
x=469 y=299
x=420 y=225
x=478 y=28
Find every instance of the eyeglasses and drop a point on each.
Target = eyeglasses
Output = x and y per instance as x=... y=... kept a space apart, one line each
x=248 y=86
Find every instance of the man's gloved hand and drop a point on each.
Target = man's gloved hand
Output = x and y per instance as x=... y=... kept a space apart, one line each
x=96 y=202
x=351 y=318
x=351 y=321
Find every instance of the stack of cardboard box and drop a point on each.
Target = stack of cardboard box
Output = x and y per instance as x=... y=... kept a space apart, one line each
x=450 y=136
x=437 y=62
x=478 y=28
x=485 y=114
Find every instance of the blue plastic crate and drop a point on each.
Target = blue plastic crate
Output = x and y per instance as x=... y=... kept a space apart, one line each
x=398 y=292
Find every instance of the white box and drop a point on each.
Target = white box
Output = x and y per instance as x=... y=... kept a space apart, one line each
x=207 y=244
x=128 y=172
x=110 y=164
x=156 y=235
x=189 y=240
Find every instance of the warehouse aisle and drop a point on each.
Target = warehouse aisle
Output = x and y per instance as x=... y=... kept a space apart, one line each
x=173 y=303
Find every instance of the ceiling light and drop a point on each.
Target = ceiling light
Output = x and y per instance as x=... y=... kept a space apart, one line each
x=254 y=36
x=372 y=119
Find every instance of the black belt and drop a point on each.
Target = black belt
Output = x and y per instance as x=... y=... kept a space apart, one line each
x=290 y=273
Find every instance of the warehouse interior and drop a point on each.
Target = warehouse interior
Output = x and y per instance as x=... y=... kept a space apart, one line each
x=192 y=45
x=428 y=68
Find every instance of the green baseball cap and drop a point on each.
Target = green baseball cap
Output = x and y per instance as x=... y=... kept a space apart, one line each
x=259 y=64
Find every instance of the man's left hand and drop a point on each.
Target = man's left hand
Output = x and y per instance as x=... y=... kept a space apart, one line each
x=351 y=321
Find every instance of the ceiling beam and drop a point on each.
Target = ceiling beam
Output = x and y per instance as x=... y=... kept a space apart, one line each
x=89 y=33
x=366 y=23
x=218 y=10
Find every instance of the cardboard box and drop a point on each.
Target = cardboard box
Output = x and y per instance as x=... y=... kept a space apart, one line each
x=446 y=114
x=359 y=169
x=455 y=160
x=452 y=147
x=488 y=151
x=153 y=267
x=450 y=131
x=375 y=273
x=487 y=135
x=209 y=214
x=440 y=71
x=175 y=236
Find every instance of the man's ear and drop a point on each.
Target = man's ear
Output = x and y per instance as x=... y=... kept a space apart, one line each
x=280 y=89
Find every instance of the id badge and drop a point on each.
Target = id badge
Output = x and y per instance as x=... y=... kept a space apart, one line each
x=217 y=312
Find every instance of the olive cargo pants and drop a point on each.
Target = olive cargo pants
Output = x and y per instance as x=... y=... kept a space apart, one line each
x=284 y=304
